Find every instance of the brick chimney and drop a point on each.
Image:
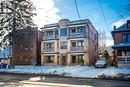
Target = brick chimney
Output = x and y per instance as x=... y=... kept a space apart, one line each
x=114 y=27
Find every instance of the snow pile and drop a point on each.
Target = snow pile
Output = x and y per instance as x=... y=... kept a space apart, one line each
x=113 y=71
x=73 y=71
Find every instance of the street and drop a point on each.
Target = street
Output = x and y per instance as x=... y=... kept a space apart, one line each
x=9 y=80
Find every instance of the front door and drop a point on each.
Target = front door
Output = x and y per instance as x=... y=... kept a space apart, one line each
x=63 y=60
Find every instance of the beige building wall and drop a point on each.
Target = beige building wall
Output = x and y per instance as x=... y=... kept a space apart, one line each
x=59 y=53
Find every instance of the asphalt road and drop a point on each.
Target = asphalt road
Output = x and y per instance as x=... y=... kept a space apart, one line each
x=9 y=80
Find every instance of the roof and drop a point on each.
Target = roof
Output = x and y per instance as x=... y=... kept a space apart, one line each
x=70 y=23
x=122 y=28
x=121 y=45
x=4 y=53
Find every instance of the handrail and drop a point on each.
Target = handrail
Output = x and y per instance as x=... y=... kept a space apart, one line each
x=123 y=58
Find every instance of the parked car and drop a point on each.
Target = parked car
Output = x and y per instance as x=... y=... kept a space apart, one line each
x=101 y=63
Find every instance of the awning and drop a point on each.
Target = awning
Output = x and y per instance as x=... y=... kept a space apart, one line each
x=120 y=45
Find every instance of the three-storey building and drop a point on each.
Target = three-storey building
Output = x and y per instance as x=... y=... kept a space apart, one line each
x=69 y=43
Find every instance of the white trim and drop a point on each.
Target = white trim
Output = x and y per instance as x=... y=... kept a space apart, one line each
x=77 y=25
x=76 y=53
x=77 y=39
x=50 y=28
x=49 y=41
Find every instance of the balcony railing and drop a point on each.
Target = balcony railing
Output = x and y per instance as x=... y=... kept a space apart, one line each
x=74 y=35
x=49 y=37
x=48 y=50
x=77 y=48
x=124 y=59
x=78 y=34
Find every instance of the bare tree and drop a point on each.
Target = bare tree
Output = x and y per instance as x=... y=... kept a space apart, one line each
x=102 y=41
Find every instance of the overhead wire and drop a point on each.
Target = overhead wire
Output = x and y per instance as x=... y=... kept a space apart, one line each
x=76 y=6
x=103 y=15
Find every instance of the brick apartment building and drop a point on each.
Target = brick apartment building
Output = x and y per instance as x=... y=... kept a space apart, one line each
x=27 y=47
x=121 y=45
x=69 y=43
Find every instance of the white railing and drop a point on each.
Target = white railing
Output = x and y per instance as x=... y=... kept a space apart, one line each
x=78 y=34
x=123 y=58
x=76 y=48
x=49 y=50
x=49 y=37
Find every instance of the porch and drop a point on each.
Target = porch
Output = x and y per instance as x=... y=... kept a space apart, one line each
x=123 y=61
x=77 y=59
x=49 y=60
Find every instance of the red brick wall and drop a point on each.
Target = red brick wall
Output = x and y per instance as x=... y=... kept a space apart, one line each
x=24 y=55
x=118 y=37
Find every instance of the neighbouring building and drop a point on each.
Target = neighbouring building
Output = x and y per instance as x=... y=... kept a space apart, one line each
x=69 y=43
x=26 y=47
x=121 y=45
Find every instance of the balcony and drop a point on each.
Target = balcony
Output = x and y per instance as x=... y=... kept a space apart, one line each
x=77 y=48
x=76 y=35
x=49 y=37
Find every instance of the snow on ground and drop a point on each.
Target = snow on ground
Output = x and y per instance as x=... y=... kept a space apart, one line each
x=74 y=71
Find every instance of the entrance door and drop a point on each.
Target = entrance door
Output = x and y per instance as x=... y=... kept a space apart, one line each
x=63 y=60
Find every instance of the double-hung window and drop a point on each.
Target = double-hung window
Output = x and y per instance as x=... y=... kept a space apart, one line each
x=126 y=38
x=63 y=45
x=63 y=32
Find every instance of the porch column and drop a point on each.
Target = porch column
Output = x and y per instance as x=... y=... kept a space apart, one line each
x=69 y=60
x=55 y=59
x=42 y=60
x=86 y=59
x=77 y=59
x=59 y=60
x=116 y=53
x=123 y=53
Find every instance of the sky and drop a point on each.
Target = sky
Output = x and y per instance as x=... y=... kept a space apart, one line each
x=51 y=11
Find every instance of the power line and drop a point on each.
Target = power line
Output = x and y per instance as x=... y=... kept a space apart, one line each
x=77 y=9
x=103 y=15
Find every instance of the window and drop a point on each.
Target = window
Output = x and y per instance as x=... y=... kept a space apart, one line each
x=73 y=30
x=63 y=45
x=95 y=37
x=74 y=44
x=49 y=45
x=125 y=37
x=128 y=53
x=63 y=32
x=73 y=59
x=49 y=59
x=49 y=33
x=81 y=43
x=80 y=29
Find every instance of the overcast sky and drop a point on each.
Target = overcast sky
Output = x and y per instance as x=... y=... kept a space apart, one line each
x=50 y=11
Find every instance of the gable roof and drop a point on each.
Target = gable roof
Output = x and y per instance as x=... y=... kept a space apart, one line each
x=122 y=28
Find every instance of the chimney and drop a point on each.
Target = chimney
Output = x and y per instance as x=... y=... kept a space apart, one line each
x=114 y=27
x=128 y=23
